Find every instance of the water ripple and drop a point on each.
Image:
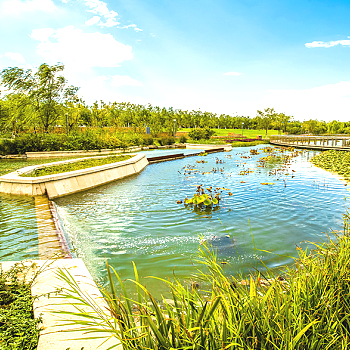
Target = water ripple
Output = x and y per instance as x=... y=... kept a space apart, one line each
x=137 y=219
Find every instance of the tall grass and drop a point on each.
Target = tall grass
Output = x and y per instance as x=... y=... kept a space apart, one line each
x=307 y=307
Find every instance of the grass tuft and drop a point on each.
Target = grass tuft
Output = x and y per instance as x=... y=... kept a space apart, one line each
x=308 y=307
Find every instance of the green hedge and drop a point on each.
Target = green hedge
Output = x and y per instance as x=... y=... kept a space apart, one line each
x=78 y=141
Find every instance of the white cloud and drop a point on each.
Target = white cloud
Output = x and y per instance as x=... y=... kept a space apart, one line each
x=233 y=73
x=17 y=6
x=100 y=8
x=17 y=57
x=80 y=50
x=93 y=20
x=132 y=26
x=42 y=34
x=124 y=80
x=328 y=43
x=325 y=102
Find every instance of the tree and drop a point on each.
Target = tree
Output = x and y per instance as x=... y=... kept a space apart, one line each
x=266 y=118
x=45 y=89
x=281 y=121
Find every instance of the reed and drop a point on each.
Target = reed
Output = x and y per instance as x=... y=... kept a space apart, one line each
x=306 y=307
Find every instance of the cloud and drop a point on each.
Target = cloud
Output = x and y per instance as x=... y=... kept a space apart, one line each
x=17 y=6
x=93 y=20
x=80 y=50
x=17 y=57
x=124 y=80
x=132 y=26
x=327 y=102
x=233 y=73
x=328 y=43
x=101 y=10
x=42 y=34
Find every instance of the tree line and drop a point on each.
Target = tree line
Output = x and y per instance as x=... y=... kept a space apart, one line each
x=42 y=100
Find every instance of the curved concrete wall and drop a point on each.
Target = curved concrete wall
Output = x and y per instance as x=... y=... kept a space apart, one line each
x=59 y=185
x=226 y=147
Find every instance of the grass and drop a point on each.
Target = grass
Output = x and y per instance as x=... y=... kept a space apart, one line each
x=10 y=165
x=306 y=308
x=208 y=142
x=335 y=161
x=18 y=328
x=247 y=144
x=247 y=133
x=83 y=164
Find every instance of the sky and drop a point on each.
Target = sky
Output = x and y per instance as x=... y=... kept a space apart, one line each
x=223 y=56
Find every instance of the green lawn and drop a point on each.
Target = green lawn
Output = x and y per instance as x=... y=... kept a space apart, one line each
x=9 y=165
x=250 y=134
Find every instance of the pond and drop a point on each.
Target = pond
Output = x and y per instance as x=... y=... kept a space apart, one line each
x=18 y=228
x=138 y=219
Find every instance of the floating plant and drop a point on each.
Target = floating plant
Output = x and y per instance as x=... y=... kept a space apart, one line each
x=202 y=200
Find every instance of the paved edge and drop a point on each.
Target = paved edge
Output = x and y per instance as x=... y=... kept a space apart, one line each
x=47 y=288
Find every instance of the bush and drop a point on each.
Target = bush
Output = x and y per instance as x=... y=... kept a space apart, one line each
x=183 y=139
x=166 y=140
x=147 y=140
x=198 y=134
x=89 y=140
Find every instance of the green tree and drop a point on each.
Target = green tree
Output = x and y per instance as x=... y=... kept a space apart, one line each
x=46 y=90
x=266 y=118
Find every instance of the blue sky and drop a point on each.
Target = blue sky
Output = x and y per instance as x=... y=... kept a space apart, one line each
x=230 y=57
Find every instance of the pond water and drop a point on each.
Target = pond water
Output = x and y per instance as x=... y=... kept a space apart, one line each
x=138 y=218
x=18 y=228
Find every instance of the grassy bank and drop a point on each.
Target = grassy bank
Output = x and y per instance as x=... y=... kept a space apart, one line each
x=83 y=164
x=247 y=144
x=306 y=307
x=222 y=142
x=18 y=328
x=334 y=161
x=246 y=132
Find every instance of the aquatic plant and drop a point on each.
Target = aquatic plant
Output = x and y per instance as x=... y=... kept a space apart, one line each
x=335 y=161
x=202 y=200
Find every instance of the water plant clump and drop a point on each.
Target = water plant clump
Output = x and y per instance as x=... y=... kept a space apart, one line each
x=83 y=164
x=334 y=161
x=202 y=200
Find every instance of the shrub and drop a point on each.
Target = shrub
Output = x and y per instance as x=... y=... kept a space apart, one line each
x=89 y=140
x=198 y=134
x=166 y=140
x=147 y=140
x=183 y=139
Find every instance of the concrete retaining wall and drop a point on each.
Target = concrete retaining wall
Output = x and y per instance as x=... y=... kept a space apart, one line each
x=58 y=185
x=227 y=147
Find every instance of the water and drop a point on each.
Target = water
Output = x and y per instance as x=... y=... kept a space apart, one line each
x=18 y=228
x=138 y=219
